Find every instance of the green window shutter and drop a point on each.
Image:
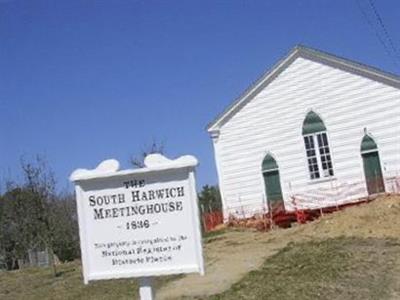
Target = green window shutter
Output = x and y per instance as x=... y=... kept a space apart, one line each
x=368 y=144
x=269 y=163
x=312 y=124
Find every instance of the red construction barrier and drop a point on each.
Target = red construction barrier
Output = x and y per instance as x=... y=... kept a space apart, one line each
x=212 y=220
x=307 y=206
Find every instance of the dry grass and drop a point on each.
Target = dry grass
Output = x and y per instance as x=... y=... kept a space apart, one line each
x=229 y=257
x=339 y=268
x=39 y=283
x=352 y=254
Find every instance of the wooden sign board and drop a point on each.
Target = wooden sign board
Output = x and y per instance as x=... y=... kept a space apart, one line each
x=141 y=222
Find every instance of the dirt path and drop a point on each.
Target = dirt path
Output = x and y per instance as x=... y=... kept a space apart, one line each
x=228 y=258
x=395 y=287
x=231 y=255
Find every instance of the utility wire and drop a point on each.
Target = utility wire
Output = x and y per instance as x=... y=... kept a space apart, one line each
x=394 y=56
x=378 y=16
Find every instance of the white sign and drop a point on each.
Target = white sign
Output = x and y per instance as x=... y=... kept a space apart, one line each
x=137 y=223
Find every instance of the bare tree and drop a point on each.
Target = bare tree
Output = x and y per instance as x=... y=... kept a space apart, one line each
x=65 y=227
x=40 y=182
x=155 y=147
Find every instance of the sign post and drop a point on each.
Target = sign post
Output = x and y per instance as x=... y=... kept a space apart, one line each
x=145 y=288
x=139 y=223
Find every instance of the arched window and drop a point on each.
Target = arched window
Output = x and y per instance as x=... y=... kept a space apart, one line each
x=319 y=158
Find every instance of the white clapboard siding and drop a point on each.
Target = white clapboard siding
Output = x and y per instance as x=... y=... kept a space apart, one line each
x=272 y=122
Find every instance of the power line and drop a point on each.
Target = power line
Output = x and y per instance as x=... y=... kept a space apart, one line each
x=378 y=16
x=388 y=50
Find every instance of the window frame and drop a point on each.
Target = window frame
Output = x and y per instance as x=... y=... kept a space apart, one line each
x=318 y=156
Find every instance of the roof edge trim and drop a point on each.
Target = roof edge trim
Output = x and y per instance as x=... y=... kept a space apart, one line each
x=310 y=54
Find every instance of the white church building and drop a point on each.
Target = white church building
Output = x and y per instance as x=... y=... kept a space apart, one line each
x=315 y=131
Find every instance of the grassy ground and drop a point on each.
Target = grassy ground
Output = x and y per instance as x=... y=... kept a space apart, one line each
x=336 y=268
x=339 y=268
x=231 y=257
x=39 y=283
x=352 y=254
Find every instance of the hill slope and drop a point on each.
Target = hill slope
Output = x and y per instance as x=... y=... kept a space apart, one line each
x=232 y=255
x=351 y=254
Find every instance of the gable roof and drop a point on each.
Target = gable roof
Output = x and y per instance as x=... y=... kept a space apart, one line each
x=310 y=54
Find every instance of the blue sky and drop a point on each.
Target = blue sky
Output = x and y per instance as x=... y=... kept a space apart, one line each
x=82 y=81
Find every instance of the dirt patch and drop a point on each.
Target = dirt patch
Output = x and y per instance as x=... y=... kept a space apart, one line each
x=227 y=260
x=230 y=256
